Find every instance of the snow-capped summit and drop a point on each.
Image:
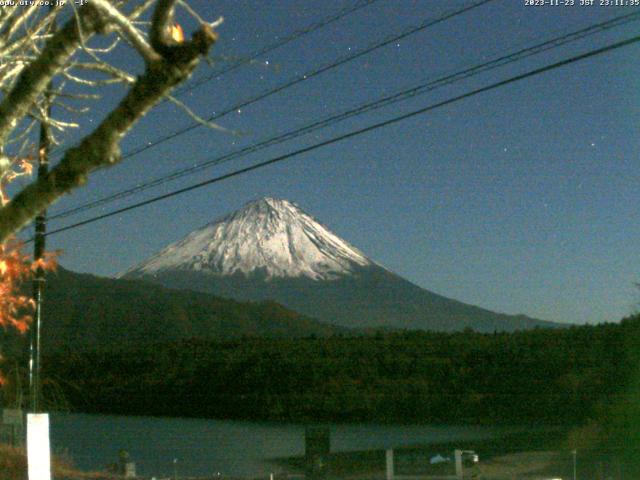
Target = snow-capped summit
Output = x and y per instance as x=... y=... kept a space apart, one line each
x=272 y=250
x=269 y=236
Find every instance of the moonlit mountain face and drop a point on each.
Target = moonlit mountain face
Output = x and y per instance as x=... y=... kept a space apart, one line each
x=271 y=237
x=272 y=250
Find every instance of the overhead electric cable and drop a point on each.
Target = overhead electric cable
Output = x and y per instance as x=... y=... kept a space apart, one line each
x=269 y=48
x=312 y=73
x=385 y=101
x=355 y=133
x=280 y=43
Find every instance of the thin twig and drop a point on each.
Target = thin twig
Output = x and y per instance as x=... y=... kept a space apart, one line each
x=198 y=118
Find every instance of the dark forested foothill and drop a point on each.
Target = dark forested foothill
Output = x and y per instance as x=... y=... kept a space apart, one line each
x=559 y=376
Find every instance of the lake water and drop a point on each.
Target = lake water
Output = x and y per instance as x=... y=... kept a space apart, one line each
x=205 y=447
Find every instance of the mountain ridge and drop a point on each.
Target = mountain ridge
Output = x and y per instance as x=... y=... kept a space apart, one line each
x=272 y=250
x=84 y=311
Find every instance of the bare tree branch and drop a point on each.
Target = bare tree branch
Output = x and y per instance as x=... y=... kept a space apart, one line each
x=107 y=69
x=33 y=32
x=101 y=148
x=130 y=32
x=162 y=18
x=140 y=9
x=17 y=21
x=34 y=78
x=203 y=121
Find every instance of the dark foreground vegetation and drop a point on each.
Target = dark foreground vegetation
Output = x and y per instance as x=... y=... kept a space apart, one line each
x=585 y=379
x=555 y=376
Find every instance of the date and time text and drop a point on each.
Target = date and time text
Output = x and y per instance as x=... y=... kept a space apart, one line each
x=581 y=3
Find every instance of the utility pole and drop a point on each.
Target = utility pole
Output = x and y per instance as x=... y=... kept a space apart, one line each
x=44 y=146
x=38 y=443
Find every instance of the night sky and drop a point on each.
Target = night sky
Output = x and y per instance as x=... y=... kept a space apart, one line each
x=520 y=200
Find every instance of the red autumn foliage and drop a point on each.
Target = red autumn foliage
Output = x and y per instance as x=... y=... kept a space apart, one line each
x=16 y=268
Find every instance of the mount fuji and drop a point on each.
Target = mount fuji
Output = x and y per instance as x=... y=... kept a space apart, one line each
x=272 y=250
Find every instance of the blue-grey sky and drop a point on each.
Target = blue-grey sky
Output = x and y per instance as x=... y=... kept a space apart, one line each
x=520 y=200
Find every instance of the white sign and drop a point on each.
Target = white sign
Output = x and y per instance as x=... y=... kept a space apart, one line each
x=38 y=449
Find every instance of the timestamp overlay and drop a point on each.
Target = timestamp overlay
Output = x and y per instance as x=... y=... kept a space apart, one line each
x=581 y=3
x=41 y=3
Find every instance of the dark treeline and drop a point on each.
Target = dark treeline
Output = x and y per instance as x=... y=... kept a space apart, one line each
x=562 y=376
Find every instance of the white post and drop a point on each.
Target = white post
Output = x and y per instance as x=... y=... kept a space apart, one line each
x=38 y=448
x=458 y=456
x=390 y=464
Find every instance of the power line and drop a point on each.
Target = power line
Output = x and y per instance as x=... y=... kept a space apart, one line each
x=317 y=71
x=388 y=100
x=355 y=133
x=280 y=43
x=269 y=48
x=342 y=60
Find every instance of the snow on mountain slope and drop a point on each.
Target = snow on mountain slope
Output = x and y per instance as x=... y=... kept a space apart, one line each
x=268 y=236
x=272 y=250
